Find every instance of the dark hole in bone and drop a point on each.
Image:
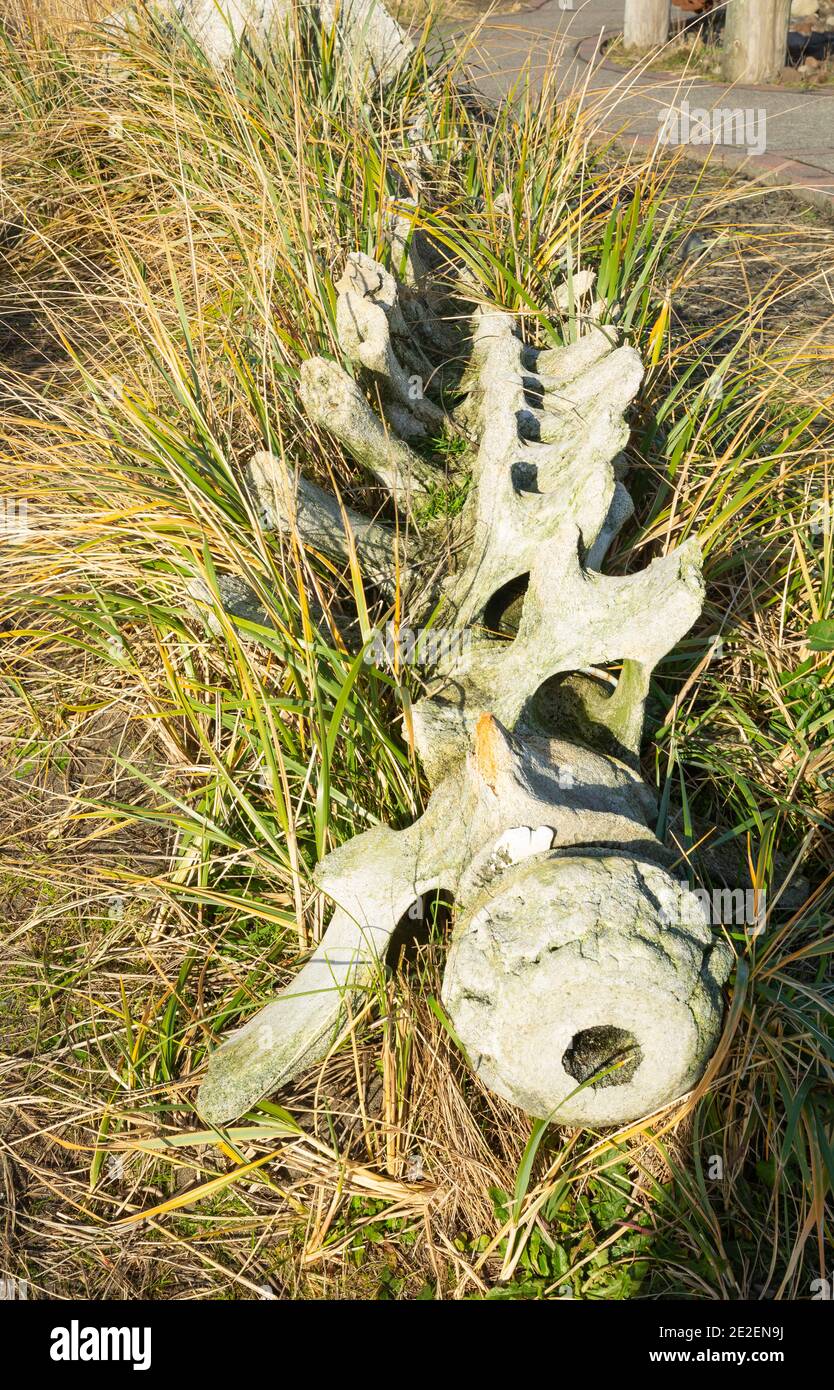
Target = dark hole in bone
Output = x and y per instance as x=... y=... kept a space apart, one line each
x=529 y=427
x=563 y=707
x=502 y=614
x=596 y=1049
x=533 y=392
x=525 y=476
x=426 y=920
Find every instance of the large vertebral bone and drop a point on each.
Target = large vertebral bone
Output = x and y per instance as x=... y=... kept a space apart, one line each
x=547 y=511
x=576 y=953
x=565 y=970
x=520 y=812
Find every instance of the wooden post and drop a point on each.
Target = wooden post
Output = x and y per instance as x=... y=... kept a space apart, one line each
x=646 y=23
x=755 y=40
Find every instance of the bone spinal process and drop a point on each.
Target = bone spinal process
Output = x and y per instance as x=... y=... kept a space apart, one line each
x=583 y=980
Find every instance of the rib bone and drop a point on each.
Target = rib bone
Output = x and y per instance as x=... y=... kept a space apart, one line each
x=320 y=522
x=333 y=401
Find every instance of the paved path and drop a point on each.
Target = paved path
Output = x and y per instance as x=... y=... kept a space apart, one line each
x=799 y=125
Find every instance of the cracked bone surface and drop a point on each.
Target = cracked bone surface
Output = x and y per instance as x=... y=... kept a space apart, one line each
x=583 y=979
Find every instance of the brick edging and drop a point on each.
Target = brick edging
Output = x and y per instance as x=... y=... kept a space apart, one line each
x=810 y=183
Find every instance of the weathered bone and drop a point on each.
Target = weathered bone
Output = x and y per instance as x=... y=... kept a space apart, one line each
x=583 y=979
x=536 y=509
x=572 y=619
x=367 y=317
x=371 y=41
x=566 y=971
x=526 y=812
x=513 y=802
x=217 y=25
x=333 y=401
x=303 y=508
x=288 y=504
x=238 y=600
